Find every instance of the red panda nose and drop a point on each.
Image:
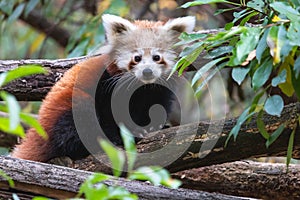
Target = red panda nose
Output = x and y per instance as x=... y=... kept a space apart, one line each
x=147 y=73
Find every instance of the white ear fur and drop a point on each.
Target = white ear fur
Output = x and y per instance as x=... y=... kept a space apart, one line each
x=114 y=25
x=181 y=24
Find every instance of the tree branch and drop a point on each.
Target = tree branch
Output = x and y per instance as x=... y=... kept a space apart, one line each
x=245 y=178
x=61 y=182
x=35 y=88
x=39 y=22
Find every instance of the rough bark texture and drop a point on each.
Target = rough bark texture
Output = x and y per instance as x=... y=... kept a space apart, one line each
x=249 y=143
x=60 y=182
x=35 y=88
x=245 y=178
x=39 y=22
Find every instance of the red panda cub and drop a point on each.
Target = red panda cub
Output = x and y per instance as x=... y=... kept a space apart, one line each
x=139 y=52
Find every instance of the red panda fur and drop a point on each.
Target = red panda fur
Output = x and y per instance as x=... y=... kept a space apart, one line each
x=57 y=102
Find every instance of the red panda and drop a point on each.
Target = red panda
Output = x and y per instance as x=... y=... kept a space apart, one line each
x=136 y=52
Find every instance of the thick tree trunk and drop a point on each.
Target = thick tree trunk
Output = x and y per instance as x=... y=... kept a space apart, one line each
x=245 y=178
x=32 y=178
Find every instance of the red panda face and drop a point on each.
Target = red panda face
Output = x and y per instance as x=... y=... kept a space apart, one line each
x=150 y=64
x=144 y=48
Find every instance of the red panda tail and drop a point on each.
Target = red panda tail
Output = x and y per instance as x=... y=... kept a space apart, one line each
x=33 y=147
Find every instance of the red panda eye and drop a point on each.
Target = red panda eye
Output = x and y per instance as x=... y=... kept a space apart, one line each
x=156 y=58
x=137 y=58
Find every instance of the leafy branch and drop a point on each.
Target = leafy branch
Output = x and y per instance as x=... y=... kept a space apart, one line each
x=268 y=51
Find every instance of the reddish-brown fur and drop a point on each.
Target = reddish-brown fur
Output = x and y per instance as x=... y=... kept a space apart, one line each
x=58 y=101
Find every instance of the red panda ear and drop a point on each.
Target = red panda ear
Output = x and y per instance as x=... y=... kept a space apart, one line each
x=181 y=24
x=115 y=25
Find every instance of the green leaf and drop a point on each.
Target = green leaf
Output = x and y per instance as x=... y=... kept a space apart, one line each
x=129 y=145
x=80 y=49
x=91 y=191
x=30 y=6
x=202 y=2
x=262 y=45
x=156 y=175
x=146 y=174
x=22 y=71
x=290 y=148
x=228 y=26
x=256 y=5
x=295 y=83
x=274 y=135
x=246 y=44
x=293 y=33
x=41 y=198
x=13 y=108
x=248 y=17
x=7 y=178
x=188 y=38
x=256 y=99
x=278 y=43
x=262 y=74
x=7 y=6
x=281 y=78
x=5 y=127
x=116 y=157
x=262 y=127
x=297 y=67
x=210 y=76
x=218 y=52
x=239 y=73
x=117 y=192
x=274 y=105
x=16 y=13
x=4 y=151
x=205 y=68
x=190 y=49
x=185 y=61
x=285 y=9
x=32 y=122
x=242 y=118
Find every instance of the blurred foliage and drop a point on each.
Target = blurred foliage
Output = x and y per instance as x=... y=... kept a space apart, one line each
x=79 y=21
x=70 y=16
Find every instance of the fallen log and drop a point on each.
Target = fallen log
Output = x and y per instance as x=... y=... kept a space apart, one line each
x=35 y=178
x=245 y=178
x=35 y=88
x=249 y=143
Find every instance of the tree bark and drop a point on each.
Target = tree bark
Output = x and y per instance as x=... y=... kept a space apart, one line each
x=249 y=143
x=245 y=178
x=39 y=22
x=60 y=182
x=35 y=88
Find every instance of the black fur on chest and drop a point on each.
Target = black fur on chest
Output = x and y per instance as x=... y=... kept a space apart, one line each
x=111 y=110
x=130 y=104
